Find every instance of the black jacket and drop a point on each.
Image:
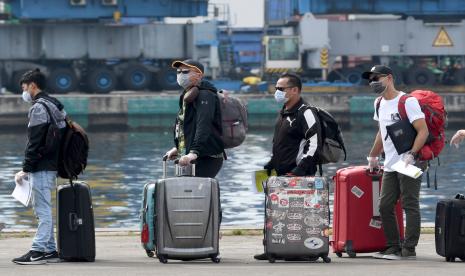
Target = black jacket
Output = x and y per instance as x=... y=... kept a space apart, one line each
x=35 y=159
x=202 y=122
x=295 y=141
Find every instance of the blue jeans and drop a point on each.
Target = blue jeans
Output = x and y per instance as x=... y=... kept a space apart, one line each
x=43 y=183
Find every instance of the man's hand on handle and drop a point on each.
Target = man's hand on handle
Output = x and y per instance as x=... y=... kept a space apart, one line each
x=373 y=163
x=187 y=159
x=172 y=153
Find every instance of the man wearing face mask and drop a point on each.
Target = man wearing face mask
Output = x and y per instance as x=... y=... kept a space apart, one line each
x=296 y=134
x=396 y=185
x=198 y=124
x=40 y=164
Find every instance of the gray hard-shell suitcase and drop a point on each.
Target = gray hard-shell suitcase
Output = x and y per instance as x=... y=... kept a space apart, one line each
x=297 y=218
x=187 y=218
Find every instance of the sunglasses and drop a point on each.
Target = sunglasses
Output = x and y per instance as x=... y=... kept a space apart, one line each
x=283 y=88
x=185 y=71
x=376 y=78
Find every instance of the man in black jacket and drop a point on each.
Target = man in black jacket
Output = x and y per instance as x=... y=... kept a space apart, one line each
x=198 y=124
x=40 y=164
x=295 y=140
x=296 y=134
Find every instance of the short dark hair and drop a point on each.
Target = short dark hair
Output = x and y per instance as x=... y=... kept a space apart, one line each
x=293 y=80
x=34 y=76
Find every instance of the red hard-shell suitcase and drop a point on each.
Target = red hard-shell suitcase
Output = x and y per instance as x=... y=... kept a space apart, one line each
x=357 y=225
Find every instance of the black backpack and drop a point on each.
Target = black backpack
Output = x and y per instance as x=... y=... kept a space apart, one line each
x=331 y=140
x=74 y=151
x=73 y=147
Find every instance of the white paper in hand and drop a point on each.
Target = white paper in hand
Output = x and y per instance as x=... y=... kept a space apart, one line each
x=411 y=170
x=23 y=191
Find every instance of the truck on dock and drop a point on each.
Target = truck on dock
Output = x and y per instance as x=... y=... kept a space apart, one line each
x=102 y=45
x=422 y=41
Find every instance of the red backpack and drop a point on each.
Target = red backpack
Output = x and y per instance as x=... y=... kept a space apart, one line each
x=436 y=119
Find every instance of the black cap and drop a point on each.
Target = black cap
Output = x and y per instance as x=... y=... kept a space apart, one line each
x=377 y=69
x=189 y=63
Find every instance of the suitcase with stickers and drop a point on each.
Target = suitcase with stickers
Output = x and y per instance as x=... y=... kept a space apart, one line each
x=357 y=224
x=296 y=218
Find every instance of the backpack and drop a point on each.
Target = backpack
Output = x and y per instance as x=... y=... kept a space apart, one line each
x=72 y=159
x=53 y=136
x=73 y=147
x=331 y=140
x=432 y=106
x=233 y=120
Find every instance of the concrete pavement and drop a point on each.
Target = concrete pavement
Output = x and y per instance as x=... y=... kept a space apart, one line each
x=123 y=255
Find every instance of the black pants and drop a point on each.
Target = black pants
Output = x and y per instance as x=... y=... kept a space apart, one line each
x=208 y=166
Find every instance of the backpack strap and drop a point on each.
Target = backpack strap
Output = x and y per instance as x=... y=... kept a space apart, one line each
x=378 y=103
x=401 y=106
x=52 y=119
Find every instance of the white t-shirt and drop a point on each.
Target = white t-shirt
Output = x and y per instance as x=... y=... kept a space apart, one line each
x=388 y=115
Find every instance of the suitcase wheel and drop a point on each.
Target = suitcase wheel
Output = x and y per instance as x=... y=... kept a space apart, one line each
x=150 y=254
x=352 y=254
x=271 y=259
x=450 y=259
x=313 y=259
x=162 y=259
x=326 y=259
x=216 y=259
x=339 y=254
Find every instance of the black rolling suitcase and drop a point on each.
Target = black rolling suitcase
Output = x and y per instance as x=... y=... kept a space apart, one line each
x=75 y=222
x=450 y=228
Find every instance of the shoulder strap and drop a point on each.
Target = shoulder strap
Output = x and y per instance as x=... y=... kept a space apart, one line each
x=401 y=106
x=378 y=103
x=49 y=112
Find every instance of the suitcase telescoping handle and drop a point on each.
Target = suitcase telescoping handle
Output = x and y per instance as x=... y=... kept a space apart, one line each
x=176 y=162
x=193 y=162
x=377 y=173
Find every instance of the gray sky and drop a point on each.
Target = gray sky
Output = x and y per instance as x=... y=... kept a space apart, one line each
x=244 y=13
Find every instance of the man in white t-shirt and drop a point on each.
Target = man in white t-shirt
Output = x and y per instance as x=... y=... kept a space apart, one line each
x=395 y=185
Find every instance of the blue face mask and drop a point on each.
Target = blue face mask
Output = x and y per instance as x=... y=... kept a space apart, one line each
x=280 y=97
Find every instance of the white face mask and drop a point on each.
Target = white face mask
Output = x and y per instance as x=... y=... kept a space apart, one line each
x=280 y=97
x=183 y=80
x=26 y=97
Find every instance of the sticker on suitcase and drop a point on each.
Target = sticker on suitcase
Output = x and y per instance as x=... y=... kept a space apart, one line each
x=277 y=238
x=315 y=220
x=357 y=191
x=313 y=243
x=293 y=237
x=375 y=223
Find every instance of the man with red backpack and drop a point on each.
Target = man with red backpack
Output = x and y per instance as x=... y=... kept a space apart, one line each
x=395 y=185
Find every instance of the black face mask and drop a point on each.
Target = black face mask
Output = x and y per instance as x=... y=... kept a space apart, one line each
x=378 y=87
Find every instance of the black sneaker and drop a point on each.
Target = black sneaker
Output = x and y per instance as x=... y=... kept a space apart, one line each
x=409 y=253
x=52 y=257
x=261 y=257
x=31 y=258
